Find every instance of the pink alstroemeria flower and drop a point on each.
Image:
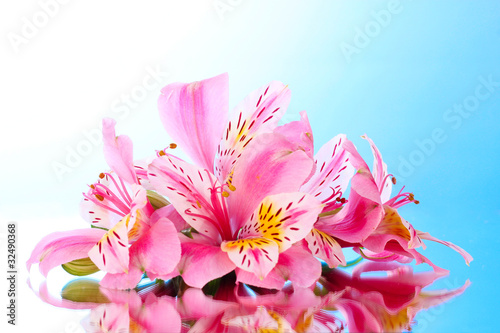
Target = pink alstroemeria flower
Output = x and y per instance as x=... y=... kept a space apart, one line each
x=346 y=221
x=394 y=238
x=128 y=237
x=242 y=198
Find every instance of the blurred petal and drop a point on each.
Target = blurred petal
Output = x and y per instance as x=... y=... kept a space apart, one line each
x=127 y=280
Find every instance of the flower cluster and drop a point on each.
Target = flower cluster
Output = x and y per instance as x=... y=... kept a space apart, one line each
x=256 y=200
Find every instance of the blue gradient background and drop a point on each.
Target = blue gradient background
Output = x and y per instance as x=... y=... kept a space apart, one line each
x=397 y=90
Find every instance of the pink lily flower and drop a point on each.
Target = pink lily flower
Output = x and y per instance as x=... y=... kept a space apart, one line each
x=128 y=237
x=394 y=238
x=341 y=221
x=242 y=198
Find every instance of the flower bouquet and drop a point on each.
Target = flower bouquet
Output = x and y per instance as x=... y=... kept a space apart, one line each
x=256 y=201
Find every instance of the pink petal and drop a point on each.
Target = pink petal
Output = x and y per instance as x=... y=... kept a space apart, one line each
x=299 y=266
x=325 y=247
x=159 y=316
x=258 y=113
x=333 y=170
x=425 y=235
x=194 y=115
x=111 y=253
x=380 y=172
x=189 y=189
x=360 y=216
x=295 y=264
x=118 y=152
x=170 y=213
x=283 y=218
x=202 y=261
x=260 y=321
x=127 y=280
x=257 y=255
x=359 y=318
x=61 y=247
x=392 y=227
x=195 y=304
x=384 y=256
x=108 y=318
x=268 y=166
x=159 y=250
x=299 y=133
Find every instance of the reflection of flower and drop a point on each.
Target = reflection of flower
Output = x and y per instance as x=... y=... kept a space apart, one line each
x=388 y=303
x=368 y=304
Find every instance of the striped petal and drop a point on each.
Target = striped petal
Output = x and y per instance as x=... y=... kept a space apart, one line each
x=269 y=166
x=61 y=247
x=257 y=255
x=111 y=254
x=333 y=171
x=325 y=247
x=283 y=218
x=190 y=190
x=258 y=113
x=295 y=264
x=379 y=172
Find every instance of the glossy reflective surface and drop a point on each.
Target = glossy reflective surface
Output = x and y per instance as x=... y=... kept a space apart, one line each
x=375 y=297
